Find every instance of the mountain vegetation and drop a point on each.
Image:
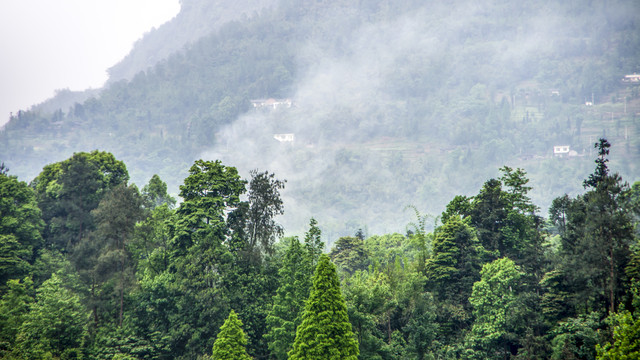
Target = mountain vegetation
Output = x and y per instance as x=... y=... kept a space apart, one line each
x=489 y=115
x=392 y=104
x=124 y=274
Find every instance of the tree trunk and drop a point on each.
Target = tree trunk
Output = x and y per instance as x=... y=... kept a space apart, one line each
x=122 y=285
x=612 y=279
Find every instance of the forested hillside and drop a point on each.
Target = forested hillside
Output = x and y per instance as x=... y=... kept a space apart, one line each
x=93 y=267
x=392 y=103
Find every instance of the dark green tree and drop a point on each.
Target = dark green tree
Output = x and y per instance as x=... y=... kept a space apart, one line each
x=452 y=270
x=609 y=229
x=349 y=254
x=455 y=263
x=325 y=331
x=264 y=205
x=67 y=191
x=203 y=267
x=231 y=341
x=489 y=215
x=210 y=192
x=20 y=227
x=116 y=216
x=596 y=243
x=253 y=226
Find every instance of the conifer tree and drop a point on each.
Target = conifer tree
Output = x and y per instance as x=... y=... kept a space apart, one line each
x=325 y=332
x=231 y=341
x=288 y=303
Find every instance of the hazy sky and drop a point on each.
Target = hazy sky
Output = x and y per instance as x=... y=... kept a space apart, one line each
x=57 y=44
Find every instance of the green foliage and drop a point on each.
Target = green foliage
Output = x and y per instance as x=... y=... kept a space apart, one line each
x=231 y=341
x=576 y=338
x=209 y=192
x=14 y=306
x=455 y=263
x=596 y=242
x=451 y=272
x=20 y=227
x=494 y=298
x=155 y=193
x=150 y=244
x=67 y=191
x=370 y=302
x=253 y=222
x=55 y=325
x=626 y=338
x=264 y=204
x=288 y=303
x=489 y=214
x=325 y=331
x=106 y=256
x=147 y=282
x=349 y=254
x=313 y=242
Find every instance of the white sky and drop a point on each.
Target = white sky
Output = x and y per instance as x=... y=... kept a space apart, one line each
x=47 y=45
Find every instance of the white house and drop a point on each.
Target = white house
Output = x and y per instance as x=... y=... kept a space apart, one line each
x=284 y=137
x=561 y=150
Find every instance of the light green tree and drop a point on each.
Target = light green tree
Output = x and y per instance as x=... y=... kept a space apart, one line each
x=14 y=306
x=626 y=338
x=55 y=325
x=325 y=332
x=494 y=298
x=231 y=341
x=155 y=193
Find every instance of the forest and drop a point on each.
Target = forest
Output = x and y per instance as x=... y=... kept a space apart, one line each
x=93 y=267
x=417 y=211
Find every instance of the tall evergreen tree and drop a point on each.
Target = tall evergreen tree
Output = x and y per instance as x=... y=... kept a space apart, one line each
x=313 y=241
x=325 y=332
x=288 y=303
x=455 y=263
x=596 y=243
x=115 y=217
x=452 y=270
x=231 y=341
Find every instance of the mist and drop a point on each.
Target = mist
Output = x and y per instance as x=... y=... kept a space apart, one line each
x=347 y=97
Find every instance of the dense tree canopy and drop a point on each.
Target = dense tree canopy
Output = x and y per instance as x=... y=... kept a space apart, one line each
x=135 y=278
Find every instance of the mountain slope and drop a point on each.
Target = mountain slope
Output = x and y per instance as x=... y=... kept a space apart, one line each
x=393 y=104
